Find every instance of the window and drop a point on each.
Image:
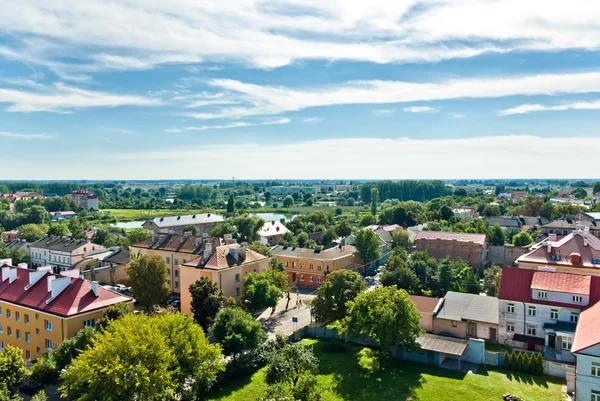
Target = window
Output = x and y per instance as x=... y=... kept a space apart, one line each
x=510 y=327
x=9 y=331
x=1 y=329
x=18 y=334
x=1 y=345
x=37 y=350
x=48 y=344
x=302 y=265
x=177 y=284
x=176 y=262
x=577 y=298
x=310 y=267
x=26 y=319
x=319 y=268
x=510 y=308
x=17 y=316
x=327 y=268
x=176 y=273
x=37 y=331
x=169 y=282
x=0 y=311
x=293 y=265
x=454 y=324
x=168 y=260
x=531 y=310
x=37 y=316
x=574 y=317
x=89 y=323
x=319 y=280
x=237 y=278
x=567 y=343
x=555 y=257
x=28 y=355
x=542 y=295
x=596 y=261
x=531 y=330
x=310 y=279
x=8 y=314
x=27 y=337
x=48 y=324
x=169 y=272
x=595 y=369
x=302 y=277
x=237 y=291
x=595 y=395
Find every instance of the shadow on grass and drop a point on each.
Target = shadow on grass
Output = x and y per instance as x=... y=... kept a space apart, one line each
x=225 y=388
x=520 y=377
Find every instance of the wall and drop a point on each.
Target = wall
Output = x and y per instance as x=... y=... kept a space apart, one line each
x=496 y=254
x=102 y=275
x=445 y=326
x=483 y=331
x=440 y=248
x=475 y=351
x=426 y=321
x=585 y=381
x=511 y=253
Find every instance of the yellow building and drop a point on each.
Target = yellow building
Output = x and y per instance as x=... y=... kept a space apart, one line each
x=175 y=250
x=227 y=266
x=39 y=310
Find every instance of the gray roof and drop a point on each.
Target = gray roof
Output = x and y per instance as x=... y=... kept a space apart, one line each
x=505 y=221
x=460 y=306
x=17 y=244
x=189 y=219
x=447 y=345
x=60 y=244
x=593 y=215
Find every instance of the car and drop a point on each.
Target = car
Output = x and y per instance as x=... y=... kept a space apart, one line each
x=111 y=288
x=31 y=388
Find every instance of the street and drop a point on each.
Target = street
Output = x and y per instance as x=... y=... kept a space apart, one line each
x=281 y=320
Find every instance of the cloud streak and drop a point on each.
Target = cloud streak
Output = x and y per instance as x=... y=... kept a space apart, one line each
x=532 y=108
x=421 y=109
x=27 y=137
x=240 y=124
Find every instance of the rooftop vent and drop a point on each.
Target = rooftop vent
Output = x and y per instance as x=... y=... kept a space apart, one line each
x=178 y=217
x=162 y=219
x=193 y=216
x=208 y=215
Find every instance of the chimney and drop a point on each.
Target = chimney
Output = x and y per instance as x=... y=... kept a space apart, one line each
x=5 y=273
x=57 y=286
x=34 y=277
x=74 y=273
x=50 y=280
x=233 y=251
x=22 y=265
x=204 y=235
x=273 y=222
x=207 y=251
x=551 y=237
x=95 y=287
x=44 y=268
x=12 y=275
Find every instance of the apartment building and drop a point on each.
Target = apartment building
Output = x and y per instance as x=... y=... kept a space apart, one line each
x=310 y=267
x=225 y=265
x=39 y=310
x=59 y=252
x=176 y=250
x=85 y=199
x=586 y=348
x=272 y=232
x=439 y=244
x=10 y=236
x=177 y=224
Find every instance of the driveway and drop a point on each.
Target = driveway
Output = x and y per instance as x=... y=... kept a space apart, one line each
x=281 y=320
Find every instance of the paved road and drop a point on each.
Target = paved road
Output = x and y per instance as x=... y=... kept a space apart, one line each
x=281 y=320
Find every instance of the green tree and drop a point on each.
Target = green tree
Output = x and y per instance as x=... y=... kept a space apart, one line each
x=112 y=313
x=400 y=239
x=328 y=236
x=32 y=232
x=596 y=188
x=148 y=279
x=206 y=301
x=579 y=193
x=367 y=245
x=293 y=367
x=261 y=292
x=521 y=239
x=513 y=360
x=267 y=195
x=386 y=315
x=12 y=367
x=506 y=361
x=138 y=235
x=230 y=205
x=491 y=280
x=446 y=276
x=367 y=219
x=237 y=331
x=374 y=200
x=548 y=210
x=58 y=230
x=496 y=236
x=77 y=231
x=288 y=201
x=398 y=273
x=164 y=357
x=40 y=396
x=343 y=228
x=261 y=248
x=520 y=364
x=446 y=212
x=330 y=302
x=72 y=347
x=491 y=210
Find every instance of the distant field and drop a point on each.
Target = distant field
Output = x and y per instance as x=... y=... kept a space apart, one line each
x=342 y=379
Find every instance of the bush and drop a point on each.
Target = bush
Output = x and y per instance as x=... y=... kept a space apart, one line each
x=243 y=366
x=539 y=365
x=520 y=362
x=44 y=371
x=506 y=360
x=513 y=360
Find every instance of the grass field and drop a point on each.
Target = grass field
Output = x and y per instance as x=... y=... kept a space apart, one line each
x=346 y=377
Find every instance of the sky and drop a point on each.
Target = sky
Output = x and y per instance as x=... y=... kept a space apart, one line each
x=187 y=89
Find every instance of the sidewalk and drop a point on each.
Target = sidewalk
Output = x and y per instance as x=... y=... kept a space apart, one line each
x=281 y=320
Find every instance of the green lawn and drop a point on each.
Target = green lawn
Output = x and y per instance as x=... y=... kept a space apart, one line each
x=346 y=377
x=141 y=214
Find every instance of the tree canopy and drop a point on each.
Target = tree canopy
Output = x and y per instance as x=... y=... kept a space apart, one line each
x=367 y=245
x=207 y=300
x=237 y=331
x=330 y=303
x=148 y=279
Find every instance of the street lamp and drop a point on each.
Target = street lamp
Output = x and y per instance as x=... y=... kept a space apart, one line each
x=65 y=372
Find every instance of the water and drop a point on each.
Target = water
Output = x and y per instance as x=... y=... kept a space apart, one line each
x=273 y=216
x=129 y=224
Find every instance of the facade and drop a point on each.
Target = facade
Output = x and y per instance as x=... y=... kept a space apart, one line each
x=57 y=216
x=470 y=247
x=586 y=348
x=540 y=309
x=105 y=265
x=39 y=310
x=427 y=307
x=597 y=196
x=176 y=224
x=10 y=236
x=59 y=253
x=85 y=199
x=310 y=267
x=578 y=252
x=272 y=232
x=467 y=316
x=566 y=226
x=175 y=250
x=225 y=265
x=464 y=213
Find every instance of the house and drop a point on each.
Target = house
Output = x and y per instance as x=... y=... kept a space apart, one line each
x=225 y=265
x=464 y=213
x=176 y=250
x=467 y=315
x=39 y=310
x=272 y=232
x=566 y=225
x=177 y=224
x=539 y=309
x=586 y=348
x=591 y=216
x=506 y=222
x=578 y=252
x=310 y=267
x=384 y=247
x=518 y=195
x=105 y=265
x=426 y=306
x=19 y=244
x=58 y=252
x=597 y=196
x=470 y=247
x=562 y=197
x=10 y=236
x=85 y=199
x=56 y=216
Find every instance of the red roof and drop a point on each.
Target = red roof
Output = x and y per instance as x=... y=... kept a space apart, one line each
x=588 y=328
x=223 y=258
x=561 y=282
x=391 y=228
x=77 y=298
x=449 y=236
x=516 y=286
x=424 y=304
x=584 y=246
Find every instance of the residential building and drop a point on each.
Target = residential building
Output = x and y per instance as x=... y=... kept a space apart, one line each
x=586 y=348
x=39 y=310
x=464 y=213
x=591 y=216
x=597 y=196
x=176 y=250
x=427 y=307
x=567 y=225
x=521 y=223
x=470 y=247
x=60 y=253
x=539 y=309
x=105 y=265
x=272 y=232
x=20 y=244
x=385 y=247
x=177 y=224
x=562 y=197
x=467 y=316
x=57 y=216
x=578 y=252
x=10 y=236
x=310 y=267
x=85 y=199
x=225 y=265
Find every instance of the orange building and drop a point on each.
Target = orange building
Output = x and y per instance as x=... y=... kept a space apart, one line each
x=309 y=267
x=39 y=310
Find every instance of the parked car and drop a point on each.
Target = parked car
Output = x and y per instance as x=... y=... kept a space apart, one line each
x=31 y=388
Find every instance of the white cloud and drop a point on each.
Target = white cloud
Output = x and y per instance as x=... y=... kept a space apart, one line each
x=530 y=108
x=312 y=120
x=123 y=131
x=457 y=115
x=139 y=34
x=421 y=109
x=382 y=112
x=262 y=100
x=61 y=98
x=478 y=157
x=28 y=137
x=240 y=124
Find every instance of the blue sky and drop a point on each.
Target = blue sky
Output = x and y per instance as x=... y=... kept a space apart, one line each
x=136 y=89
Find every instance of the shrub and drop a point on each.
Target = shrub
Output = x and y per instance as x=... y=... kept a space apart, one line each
x=520 y=362
x=506 y=360
x=44 y=371
x=513 y=360
x=539 y=365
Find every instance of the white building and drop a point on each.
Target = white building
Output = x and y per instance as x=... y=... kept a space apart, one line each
x=60 y=253
x=464 y=213
x=586 y=348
